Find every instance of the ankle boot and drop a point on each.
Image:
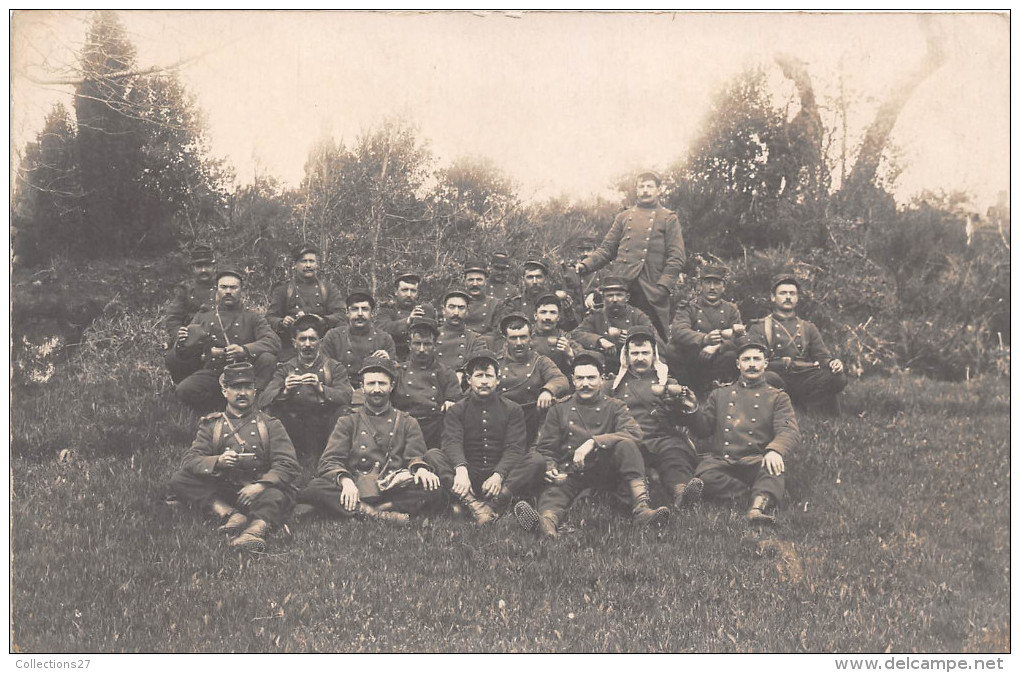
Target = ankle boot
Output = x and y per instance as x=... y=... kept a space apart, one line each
x=371 y=512
x=685 y=495
x=547 y=523
x=762 y=510
x=480 y=512
x=234 y=524
x=641 y=512
x=253 y=538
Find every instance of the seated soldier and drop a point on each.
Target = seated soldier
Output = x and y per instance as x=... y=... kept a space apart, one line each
x=799 y=362
x=395 y=317
x=754 y=429
x=456 y=343
x=498 y=288
x=702 y=334
x=426 y=388
x=198 y=294
x=644 y=385
x=241 y=465
x=227 y=333
x=372 y=465
x=531 y=380
x=549 y=338
x=584 y=289
x=309 y=391
x=481 y=307
x=606 y=330
x=536 y=284
x=306 y=292
x=483 y=461
x=589 y=441
x=359 y=337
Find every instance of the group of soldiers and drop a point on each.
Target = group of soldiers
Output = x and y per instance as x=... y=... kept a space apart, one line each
x=503 y=398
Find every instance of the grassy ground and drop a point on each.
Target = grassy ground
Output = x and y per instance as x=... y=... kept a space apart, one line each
x=896 y=538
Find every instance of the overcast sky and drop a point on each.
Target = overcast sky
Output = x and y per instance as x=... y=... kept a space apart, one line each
x=562 y=102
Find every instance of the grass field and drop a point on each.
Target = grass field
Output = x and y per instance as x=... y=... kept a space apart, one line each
x=896 y=538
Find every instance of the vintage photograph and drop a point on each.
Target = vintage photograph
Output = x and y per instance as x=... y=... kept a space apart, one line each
x=510 y=332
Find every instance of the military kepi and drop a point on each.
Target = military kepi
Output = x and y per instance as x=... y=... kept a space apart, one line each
x=781 y=278
x=712 y=271
x=747 y=343
x=303 y=249
x=230 y=271
x=237 y=373
x=486 y=355
x=202 y=254
x=377 y=364
x=613 y=283
x=360 y=294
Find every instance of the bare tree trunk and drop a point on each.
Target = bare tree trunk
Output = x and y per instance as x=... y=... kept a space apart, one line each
x=379 y=214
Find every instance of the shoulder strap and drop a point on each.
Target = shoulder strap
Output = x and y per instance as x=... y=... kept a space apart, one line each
x=768 y=331
x=290 y=291
x=217 y=433
x=322 y=291
x=327 y=373
x=260 y=423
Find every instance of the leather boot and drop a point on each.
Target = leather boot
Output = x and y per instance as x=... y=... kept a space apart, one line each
x=502 y=499
x=234 y=524
x=685 y=495
x=547 y=524
x=641 y=512
x=253 y=538
x=763 y=510
x=371 y=512
x=480 y=512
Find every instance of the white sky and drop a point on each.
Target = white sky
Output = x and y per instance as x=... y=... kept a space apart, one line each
x=562 y=102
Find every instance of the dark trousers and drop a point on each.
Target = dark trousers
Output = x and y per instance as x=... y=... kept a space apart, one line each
x=523 y=480
x=201 y=390
x=657 y=312
x=180 y=368
x=409 y=498
x=432 y=427
x=608 y=469
x=811 y=389
x=272 y=506
x=728 y=477
x=672 y=457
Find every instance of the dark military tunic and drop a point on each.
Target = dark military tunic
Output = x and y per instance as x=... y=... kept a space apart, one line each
x=187 y=301
x=350 y=347
x=573 y=422
x=319 y=297
x=793 y=338
x=691 y=325
x=480 y=313
x=237 y=326
x=522 y=382
x=390 y=438
x=499 y=291
x=454 y=347
x=596 y=326
x=306 y=399
x=392 y=319
x=545 y=344
x=485 y=435
x=422 y=392
x=526 y=305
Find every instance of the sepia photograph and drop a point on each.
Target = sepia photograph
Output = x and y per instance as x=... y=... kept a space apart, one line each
x=546 y=332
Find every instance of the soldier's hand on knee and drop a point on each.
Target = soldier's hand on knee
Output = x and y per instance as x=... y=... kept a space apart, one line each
x=493 y=485
x=582 y=452
x=427 y=479
x=774 y=462
x=545 y=400
x=348 y=494
x=246 y=496
x=461 y=482
x=227 y=459
x=836 y=365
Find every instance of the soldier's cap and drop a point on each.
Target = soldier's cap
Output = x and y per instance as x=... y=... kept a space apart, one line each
x=549 y=298
x=786 y=277
x=424 y=323
x=512 y=317
x=748 y=342
x=649 y=175
x=375 y=364
x=407 y=277
x=309 y=320
x=201 y=253
x=486 y=355
x=229 y=271
x=589 y=358
x=586 y=242
x=613 y=283
x=500 y=260
x=644 y=331
x=303 y=249
x=238 y=372
x=535 y=261
x=360 y=294
x=474 y=266
x=456 y=292
x=712 y=271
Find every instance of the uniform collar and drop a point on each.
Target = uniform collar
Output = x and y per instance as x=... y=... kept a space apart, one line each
x=759 y=384
x=384 y=411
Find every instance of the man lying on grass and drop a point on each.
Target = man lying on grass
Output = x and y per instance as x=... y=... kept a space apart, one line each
x=373 y=464
x=597 y=438
x=241 y=465
x=754 y=427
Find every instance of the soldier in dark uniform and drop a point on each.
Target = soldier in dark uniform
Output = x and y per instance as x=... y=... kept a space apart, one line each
x=549 y=339
x=644 y=385
x=456 y=343
x=799 y=361
x=227 y=333
x=359 y=338
x=590 y=441
x=536 y=284
x=584 y=289
x=483 y=461
x=498 y=287
x=526 y=377
x=606 y=330
x=481 y=307
x=425 y=387
x=241 y=465
x=702 y=335
x=309 y=391
x=754 y=430
x=373 y=463
x=645 y=247
x=305 y=293
x=395 y=317
x=191 y=297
